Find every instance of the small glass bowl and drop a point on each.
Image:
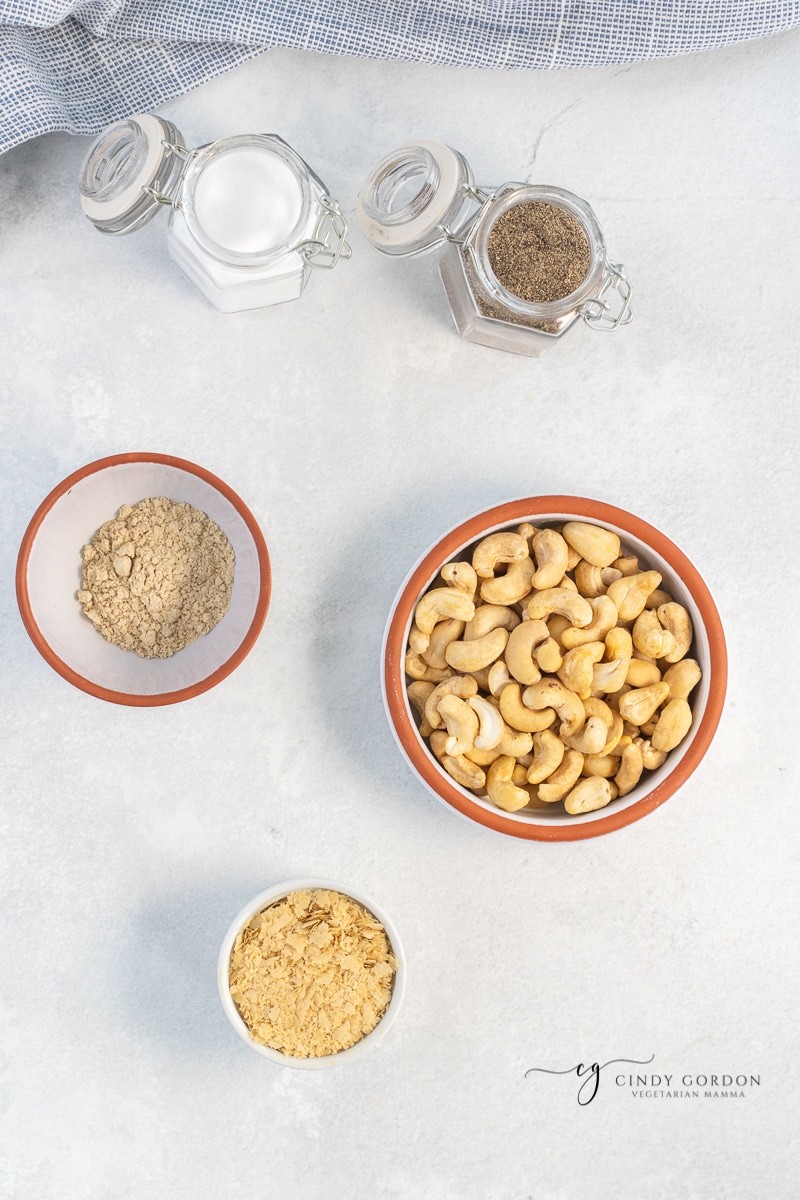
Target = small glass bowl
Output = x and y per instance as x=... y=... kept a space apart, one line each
x=271 y=896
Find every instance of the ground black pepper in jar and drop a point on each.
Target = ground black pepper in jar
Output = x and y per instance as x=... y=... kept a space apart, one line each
x=521 y=262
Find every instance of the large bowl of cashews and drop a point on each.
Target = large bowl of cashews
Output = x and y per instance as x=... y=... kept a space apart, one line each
x=554 y=668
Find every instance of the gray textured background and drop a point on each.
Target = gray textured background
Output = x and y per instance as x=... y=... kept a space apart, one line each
x=359 y=427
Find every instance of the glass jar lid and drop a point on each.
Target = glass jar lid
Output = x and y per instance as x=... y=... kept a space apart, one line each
x=248 y=199
x=415 y=198
x=128 y=171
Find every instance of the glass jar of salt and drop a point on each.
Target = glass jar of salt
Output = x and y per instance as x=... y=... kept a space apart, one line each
x=521 y=262
x=249 y=219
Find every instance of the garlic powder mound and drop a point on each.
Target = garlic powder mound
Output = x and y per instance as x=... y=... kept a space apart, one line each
x=157 y=577
x=312 y=974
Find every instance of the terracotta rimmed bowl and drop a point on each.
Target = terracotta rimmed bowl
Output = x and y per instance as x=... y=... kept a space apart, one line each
x=49 y=574
x=272 y=896
x=680 y=579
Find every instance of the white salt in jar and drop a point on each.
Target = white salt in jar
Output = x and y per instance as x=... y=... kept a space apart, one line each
x=249 y=219
x=423 y=197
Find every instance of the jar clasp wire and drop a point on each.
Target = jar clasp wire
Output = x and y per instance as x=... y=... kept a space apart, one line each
x=604 y=316
x=329 y=242
x=471 y=191
x=179 y=152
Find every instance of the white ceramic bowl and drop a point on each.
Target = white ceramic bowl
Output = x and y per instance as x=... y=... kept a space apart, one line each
x=49 y=574
x=680 y=578
x=264 y=900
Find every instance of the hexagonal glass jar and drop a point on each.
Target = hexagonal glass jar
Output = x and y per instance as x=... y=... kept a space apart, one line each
x=249 y=219
x=423 y=197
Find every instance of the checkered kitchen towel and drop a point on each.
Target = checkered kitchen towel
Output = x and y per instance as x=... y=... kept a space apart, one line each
x=79 y=64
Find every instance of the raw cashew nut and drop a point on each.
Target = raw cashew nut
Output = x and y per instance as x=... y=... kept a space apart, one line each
x=457 y=685
x=473 y=656
x=657 y=598
x=627 y=565
x=605 y=765
x=491 y=723
x=673 y=725
x=547 y=655
x=417 y=668
x=590 y=794
x=519 y=650
x=564 y=602
x=630 y=593
x=574 y=557
x=651 y=759
x=682 y=677
x=638 y=705
x=481 y=677
x=563 y=779
x=418 y=692
x=488 y=617
x=498 y=676
x=462 y=725
x=597 y=545
x=548 y=751
x=677 y=621
x=516 y=742
x=437 y=742
x=642 y=673
x=467 y=773
x=522 y=716
x=441 y=604
x=502 y=791
x=482 y=758
x=610 y=676
x=461 y=575
x=511 y=587
x=498 y=548
x=417 y=640
x=595 y=707
x=594 y=581
x=557 y=624
x=624 y=741
x=630 y=769
x=650 y=636
x=551 y=694
x=552 y=554
x=444 y=632
x=576 y=670
x=615 y=734
x=619 y=643
x=602 y=621
x=591 y=739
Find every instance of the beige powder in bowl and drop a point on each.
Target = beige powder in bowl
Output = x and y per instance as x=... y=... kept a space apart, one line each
x=157 y=577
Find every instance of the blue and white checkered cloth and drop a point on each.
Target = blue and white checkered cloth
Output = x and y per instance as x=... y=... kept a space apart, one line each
x=79 y=64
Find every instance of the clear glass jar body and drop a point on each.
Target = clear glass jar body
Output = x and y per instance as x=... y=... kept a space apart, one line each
x=486 y=312
x=249 y=219
x=252 y=258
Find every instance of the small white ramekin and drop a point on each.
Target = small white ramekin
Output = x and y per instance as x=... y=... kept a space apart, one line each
x=271 y=896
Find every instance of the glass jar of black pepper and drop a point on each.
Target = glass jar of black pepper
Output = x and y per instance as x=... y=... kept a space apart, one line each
x=521 y=263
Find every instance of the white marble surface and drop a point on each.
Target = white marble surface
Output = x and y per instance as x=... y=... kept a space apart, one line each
x=359 y=427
